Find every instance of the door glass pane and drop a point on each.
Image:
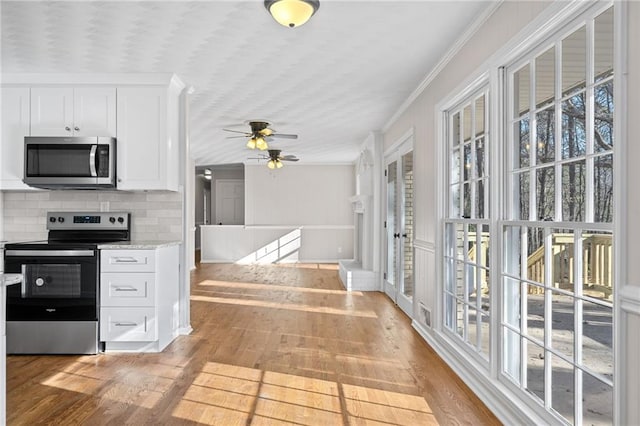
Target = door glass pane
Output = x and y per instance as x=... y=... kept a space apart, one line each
x=535 y=312
x=455 y=130
x=466 y=117
x=573 y=191
x=407 y=232
x=603 y=117
x=485 y=335
x=546 y=193
x=521 y=133
x=391 y=221
x=562 y=385
x=472 y=332
x=454 y=171
x=545 y=77
x=604 y=45
x=597 y=338
x=535 y=255
x=562 y=324
x=535 y=369
x=562 y=266
x=521 y=89
x=545 y=142
x=574 y=136
x=597 y=265
x=522 y=194
x=480 y=116
x=597 y=405
x=574 y=61
x=603 y=189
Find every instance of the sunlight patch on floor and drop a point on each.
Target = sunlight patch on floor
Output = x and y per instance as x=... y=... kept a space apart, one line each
x=290 y=306
x=275 y=287
x=227 y=394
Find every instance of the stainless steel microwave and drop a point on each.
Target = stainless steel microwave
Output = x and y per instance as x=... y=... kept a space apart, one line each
x=70 y=162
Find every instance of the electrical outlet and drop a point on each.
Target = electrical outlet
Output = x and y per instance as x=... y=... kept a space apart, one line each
x=339 y=250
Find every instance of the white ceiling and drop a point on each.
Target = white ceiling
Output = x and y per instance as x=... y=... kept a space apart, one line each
x=332 y=81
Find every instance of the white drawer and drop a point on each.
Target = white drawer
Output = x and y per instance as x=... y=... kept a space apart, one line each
x=127 y=260
x=127 y=289
x=128 y=325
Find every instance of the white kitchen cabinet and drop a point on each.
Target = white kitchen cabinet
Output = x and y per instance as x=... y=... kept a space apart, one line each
x=15 y=126
x=139 y=298
x=148 y=135
x=73 y=111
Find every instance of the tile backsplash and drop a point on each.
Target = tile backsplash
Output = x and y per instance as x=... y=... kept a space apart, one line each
x=154 y=215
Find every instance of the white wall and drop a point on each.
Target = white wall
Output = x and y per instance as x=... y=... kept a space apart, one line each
x=308 y=202
x=299 y=195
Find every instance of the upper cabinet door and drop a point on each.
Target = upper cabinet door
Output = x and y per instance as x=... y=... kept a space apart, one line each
x=63 y=111
x=51 y=111
x=142 y=138
x=94 y=111
x=15 y=126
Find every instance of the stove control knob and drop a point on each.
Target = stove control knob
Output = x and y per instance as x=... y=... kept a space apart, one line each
x=60 y=219
x=52 y=219
x=120 y=219
x=112 y=219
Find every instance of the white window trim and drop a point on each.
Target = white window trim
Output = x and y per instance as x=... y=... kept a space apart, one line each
x=498 y=397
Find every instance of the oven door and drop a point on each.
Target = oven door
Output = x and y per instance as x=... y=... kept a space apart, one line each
x=57 y=285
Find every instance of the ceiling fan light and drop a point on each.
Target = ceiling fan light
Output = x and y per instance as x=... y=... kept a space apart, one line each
x=261 y=144
x=251 y=144
x=279 y=164
x=292 y=13
x=271 y=164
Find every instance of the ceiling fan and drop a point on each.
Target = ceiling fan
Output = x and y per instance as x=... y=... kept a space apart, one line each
x=275 y=159
x=259 y=135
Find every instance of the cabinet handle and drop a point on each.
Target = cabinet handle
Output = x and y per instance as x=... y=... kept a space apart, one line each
x=67 y=128
x=76 y=128
x=125 y=324
x=126 y=289
x=125 y=260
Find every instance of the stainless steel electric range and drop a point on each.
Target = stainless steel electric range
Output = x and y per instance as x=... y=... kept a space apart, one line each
x=55 y=310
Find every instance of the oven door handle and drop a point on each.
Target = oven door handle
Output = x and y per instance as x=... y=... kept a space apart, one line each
x=50 y=253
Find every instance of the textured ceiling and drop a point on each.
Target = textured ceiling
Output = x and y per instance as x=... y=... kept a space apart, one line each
x=332 y=81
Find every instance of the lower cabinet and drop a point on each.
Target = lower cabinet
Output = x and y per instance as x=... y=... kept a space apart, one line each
x=139 y=291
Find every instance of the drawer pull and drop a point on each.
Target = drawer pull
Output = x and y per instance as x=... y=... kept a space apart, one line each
x=125 y=260
x=126 y=324
x=125 y=289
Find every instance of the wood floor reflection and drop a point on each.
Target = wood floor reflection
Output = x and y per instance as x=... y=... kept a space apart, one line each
x=272 y=345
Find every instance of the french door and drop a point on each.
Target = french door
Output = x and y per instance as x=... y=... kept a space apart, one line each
x=398 y=276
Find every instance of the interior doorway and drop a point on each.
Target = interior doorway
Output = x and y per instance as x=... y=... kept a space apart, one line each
x=229 y=202
x=399 y=227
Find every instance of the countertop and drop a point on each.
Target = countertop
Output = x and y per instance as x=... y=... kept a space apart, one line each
x=138 y=245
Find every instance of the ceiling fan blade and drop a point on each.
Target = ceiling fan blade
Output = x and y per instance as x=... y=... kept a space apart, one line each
x=233 y=137
x=284 y=136
x=289 y=158
x=237 y=131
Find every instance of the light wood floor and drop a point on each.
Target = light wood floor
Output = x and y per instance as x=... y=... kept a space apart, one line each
x=272 y=345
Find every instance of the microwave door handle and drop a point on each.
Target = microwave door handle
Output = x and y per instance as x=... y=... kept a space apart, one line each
x=92 y=161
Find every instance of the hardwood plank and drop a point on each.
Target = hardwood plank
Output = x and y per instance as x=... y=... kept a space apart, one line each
x=276 y=344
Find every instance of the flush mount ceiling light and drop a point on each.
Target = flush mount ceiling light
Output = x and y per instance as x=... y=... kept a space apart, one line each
x=292 y=13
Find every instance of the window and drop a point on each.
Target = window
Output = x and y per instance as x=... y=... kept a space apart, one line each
x=556 y=275
x=467 y=308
